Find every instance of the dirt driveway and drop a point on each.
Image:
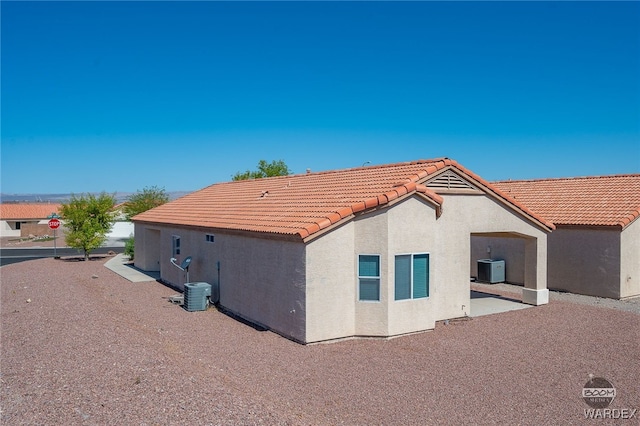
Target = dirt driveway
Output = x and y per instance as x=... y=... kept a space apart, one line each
x=83 y=346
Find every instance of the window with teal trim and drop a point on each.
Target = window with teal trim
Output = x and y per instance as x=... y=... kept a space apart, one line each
x=175 y=246
x=369 y=277
x=412 y=276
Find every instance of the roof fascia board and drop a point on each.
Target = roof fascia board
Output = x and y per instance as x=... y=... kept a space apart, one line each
x=438 y=206
x=616 y=227
x=504 y=234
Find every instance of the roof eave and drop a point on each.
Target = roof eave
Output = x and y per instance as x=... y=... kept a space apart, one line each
x=398 y=193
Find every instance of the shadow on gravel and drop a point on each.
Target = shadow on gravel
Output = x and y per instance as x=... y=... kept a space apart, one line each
x=241 y=320
x=475 y=294
x=81 y=258
x=222 y=310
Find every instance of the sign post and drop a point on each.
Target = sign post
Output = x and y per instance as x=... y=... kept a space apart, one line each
x=54 y=224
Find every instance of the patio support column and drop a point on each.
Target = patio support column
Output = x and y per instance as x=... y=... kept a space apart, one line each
x=535 y=290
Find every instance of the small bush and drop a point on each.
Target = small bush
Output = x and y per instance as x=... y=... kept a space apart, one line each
x=129 y=247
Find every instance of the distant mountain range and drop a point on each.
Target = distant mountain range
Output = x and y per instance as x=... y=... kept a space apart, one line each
x=62 y=198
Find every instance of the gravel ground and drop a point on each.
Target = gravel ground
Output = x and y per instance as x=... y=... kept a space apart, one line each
x=83 y=346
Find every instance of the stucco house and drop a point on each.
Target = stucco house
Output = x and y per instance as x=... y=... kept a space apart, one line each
x=595 y=249
x=24 y=219
x=369 y=251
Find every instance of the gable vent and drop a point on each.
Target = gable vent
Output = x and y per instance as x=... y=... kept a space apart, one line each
x=451 y=181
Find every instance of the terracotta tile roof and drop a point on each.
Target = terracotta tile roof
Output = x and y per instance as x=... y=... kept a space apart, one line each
x=302 y=205
x=13 y=211
x=593 y=201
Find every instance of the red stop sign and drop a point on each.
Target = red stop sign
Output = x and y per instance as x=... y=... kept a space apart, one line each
x=54 y=224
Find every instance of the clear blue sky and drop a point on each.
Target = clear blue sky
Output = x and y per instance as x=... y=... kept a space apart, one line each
x=118 y=96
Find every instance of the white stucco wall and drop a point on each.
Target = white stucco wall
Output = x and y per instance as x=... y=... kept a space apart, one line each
x=121 y=230
x=630 y=261
x=7 y=231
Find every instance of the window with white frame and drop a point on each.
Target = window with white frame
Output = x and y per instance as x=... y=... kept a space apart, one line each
x=412 y=276
x=176 y=245
x=369 y=277
x=209 y=238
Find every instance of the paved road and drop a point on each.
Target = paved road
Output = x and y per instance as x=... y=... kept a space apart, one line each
x=14 y=255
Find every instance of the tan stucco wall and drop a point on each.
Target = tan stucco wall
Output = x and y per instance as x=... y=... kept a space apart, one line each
x=511 y=250
x=147 y=247
x=331 y=291
x=585 y=261
x=597 y=262
x=406 y=227
x=464 y=215
x=413 y=229
x=261 y=280
x=310 y=292
x=334 y=310
x=630 y=261
x=264 y=281
x=372 y=237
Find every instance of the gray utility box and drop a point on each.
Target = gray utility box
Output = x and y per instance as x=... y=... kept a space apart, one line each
x=491 y=271
x=195 y=296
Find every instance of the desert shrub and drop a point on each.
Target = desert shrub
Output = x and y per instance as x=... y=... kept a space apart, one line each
x=129 y=247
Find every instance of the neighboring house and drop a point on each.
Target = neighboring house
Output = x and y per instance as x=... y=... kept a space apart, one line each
x=595 y=249
x=24 y=219
x=369 y=251
x=122 y=229
x=118 y=211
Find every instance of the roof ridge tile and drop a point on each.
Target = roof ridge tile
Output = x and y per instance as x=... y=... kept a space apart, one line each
x=594 y=177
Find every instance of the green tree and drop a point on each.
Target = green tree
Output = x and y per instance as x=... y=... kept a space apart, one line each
x=144 y=200
x=88 y=219
x=275 y=168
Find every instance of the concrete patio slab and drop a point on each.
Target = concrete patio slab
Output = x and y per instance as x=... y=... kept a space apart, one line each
x=487 y=304
x=120 y=264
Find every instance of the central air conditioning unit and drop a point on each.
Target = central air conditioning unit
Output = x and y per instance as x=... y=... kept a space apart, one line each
x=491 y=271
x=196 y=296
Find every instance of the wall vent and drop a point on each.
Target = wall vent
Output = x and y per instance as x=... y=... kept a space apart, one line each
x=449 y=180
